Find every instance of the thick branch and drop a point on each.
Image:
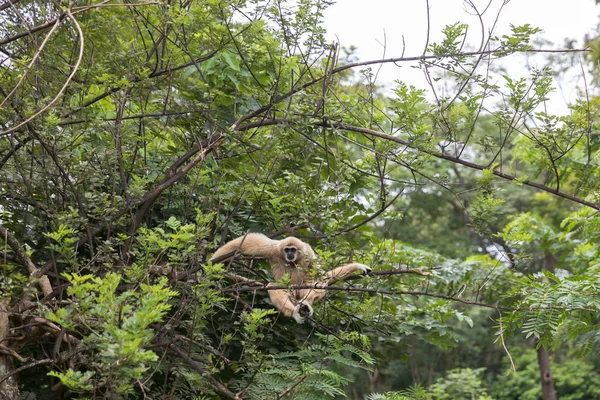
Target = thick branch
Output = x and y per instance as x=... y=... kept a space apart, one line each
x=42 y=27
x=172 y=176
x=9 y=386
x=7 y=4
x=24 y=259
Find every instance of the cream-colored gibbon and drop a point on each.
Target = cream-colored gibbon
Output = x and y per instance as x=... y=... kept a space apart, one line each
x=293 y=257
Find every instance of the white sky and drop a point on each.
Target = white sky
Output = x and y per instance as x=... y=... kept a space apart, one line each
x=369 y=24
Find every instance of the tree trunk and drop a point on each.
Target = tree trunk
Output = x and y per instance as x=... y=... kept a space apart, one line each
x=412 y=360
x=548 y=392
x=543 y=356
x=373 y=379
x=8 y=388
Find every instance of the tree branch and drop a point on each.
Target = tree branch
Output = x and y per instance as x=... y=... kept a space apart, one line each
x=7 y=4
x=22 y=256
x=64 y=86
x=288 y=390
x=137 y=80
x=172 y=176
x=381 y=135
x=401 y=293
x=215 y=383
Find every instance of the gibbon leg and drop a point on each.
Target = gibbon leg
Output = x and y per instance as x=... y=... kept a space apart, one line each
x=344 y=271
x=311 y=295
x=288 y=305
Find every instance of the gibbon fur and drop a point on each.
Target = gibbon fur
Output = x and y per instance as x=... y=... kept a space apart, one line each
x=293 y=257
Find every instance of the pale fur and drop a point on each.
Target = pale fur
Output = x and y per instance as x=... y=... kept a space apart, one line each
x=297 y=304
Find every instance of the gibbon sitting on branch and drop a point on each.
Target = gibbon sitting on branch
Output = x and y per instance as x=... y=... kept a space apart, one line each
x=293 y=257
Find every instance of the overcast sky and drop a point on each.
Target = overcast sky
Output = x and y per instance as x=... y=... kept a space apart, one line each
x=369 y=24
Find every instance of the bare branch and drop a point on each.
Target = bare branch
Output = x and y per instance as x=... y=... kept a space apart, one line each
x=501 y=332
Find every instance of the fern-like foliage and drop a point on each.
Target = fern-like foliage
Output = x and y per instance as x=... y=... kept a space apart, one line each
x=307 y=371
x=412 y=393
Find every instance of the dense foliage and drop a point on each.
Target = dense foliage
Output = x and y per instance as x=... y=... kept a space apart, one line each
x=137 y=137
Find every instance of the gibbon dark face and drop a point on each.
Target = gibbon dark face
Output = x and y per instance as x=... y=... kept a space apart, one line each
x=291 y=253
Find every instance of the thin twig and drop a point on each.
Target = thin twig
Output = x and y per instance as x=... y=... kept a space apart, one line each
x=321 y=286
x=512 y=364
x=64 y=87
x=33 y=60
x=288 y=390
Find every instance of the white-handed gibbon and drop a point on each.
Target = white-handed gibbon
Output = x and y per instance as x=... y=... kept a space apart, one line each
x=293 y=257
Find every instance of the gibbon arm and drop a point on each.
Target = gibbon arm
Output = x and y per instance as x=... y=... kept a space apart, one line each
x=289 y=306
x=252 y=244
x=340 y=273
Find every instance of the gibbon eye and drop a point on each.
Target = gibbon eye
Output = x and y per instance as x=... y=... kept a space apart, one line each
x=290 y=253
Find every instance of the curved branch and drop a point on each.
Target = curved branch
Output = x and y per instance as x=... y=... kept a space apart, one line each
x=33 y=60
x=64 y=87
x=443 y=156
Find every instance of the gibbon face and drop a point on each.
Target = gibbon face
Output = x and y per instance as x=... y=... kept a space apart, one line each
x=291 y=253
x=294 y=251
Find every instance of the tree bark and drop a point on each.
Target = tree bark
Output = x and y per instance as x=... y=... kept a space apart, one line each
x=543 y=356
x=8 y=387
x=373 y=377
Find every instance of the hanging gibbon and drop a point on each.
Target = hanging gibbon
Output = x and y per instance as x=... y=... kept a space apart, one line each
x=293 y=257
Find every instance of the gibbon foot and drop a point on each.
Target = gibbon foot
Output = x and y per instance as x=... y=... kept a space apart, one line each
x=302 y=311
x=366 y=270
